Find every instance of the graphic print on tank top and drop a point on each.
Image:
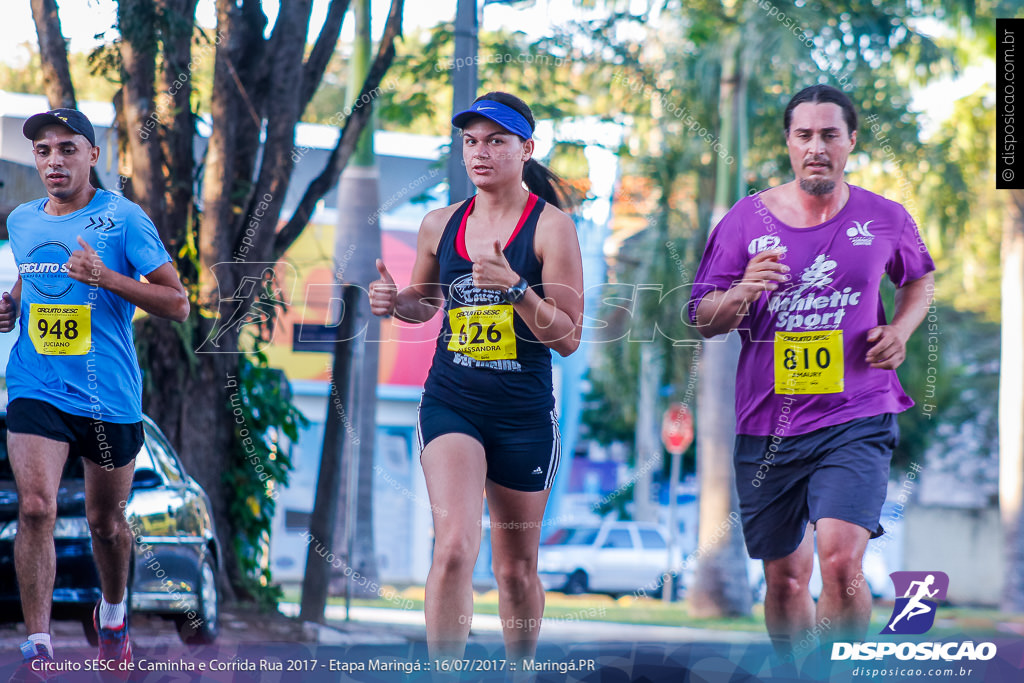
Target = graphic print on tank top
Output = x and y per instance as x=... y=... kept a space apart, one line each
x=481 y=324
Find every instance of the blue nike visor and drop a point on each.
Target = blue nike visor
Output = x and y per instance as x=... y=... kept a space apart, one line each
x=505 y=116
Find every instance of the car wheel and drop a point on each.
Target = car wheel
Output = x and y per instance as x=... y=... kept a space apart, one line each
x=203 y=628
x=90 y=631
x=675 y=587
x=577 y=583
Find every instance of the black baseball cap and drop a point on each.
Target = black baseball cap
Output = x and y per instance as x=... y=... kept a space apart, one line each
x=69 y=118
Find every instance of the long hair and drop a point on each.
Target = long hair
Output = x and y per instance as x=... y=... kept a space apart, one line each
x=539 y=179
x=822 y=94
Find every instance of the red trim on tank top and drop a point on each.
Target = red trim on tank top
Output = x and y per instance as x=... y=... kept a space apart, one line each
x=460 y=236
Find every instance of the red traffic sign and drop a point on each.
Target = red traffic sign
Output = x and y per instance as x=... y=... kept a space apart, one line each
x=677 y=428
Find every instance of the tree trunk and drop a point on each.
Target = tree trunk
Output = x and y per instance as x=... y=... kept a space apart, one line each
x=137 y=22
x=648 y=431
x=188 y=394
x=322 y=540
x=174 y=112
x=53 y=58
x=53 y=55
x=356 y=248
x=721 y=584
x=260 y=88
x=1011 y=402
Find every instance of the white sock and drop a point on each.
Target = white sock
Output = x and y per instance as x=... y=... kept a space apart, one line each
x=43 y=638
x=111 y=616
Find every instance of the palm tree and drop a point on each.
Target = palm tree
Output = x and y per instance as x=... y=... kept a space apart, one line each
x=751 y=42
x=358 y=229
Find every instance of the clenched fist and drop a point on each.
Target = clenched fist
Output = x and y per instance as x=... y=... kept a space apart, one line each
x=8 y=312
x=383 y=292
x=85 y=265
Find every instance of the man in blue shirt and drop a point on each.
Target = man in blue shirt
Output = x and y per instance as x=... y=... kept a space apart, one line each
x=73 y=378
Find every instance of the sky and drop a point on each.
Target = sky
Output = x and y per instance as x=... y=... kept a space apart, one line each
x=82 y=20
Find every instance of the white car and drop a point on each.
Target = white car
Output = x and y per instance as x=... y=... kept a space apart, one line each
x=875 y=572
x=613 y=557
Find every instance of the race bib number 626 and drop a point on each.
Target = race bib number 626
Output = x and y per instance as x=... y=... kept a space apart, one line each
x=483 y=332
x=60 y=330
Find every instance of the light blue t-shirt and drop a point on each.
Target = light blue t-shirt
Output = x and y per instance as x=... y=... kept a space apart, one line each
x=104 y=381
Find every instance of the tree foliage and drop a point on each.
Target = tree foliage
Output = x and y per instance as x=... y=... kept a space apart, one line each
x=222 y=217
x=670 y=76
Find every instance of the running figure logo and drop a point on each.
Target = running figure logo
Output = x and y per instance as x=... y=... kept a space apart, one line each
x=914 y=612
x=255 y=300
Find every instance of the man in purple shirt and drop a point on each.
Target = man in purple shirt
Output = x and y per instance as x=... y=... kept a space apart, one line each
x=796 y=269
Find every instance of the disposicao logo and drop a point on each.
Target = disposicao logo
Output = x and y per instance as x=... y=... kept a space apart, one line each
x=918 y=595
x=914 y=612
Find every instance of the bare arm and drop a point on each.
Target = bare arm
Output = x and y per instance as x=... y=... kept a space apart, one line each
x=889 y=342
x=161 y=295
x=557 y=319
x=422 y=299
x=722 y=310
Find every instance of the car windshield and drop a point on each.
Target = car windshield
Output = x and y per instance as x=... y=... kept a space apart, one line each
x=573 y=536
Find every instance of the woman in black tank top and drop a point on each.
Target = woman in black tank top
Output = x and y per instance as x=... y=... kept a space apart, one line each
x=486 y=421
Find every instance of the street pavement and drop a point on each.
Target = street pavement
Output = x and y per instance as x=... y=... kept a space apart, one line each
x=409 y=623
x=253 y=647
x=377 y=626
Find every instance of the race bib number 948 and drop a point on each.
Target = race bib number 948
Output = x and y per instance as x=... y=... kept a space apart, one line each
x=60 y=330
x=483 y=332
x=809 y=362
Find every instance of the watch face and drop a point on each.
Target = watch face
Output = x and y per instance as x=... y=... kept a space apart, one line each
x=517 y=292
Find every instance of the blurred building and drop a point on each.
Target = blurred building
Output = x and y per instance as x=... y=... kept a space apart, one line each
x=412 y=182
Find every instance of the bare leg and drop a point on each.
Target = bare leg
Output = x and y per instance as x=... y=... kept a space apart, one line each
x=455 y=470
x=845 y=597
x=37 y=463
x=106 y=496
x=788 y=607
x=516 y=518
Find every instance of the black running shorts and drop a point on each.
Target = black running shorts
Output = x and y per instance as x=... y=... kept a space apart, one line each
x=108 y=444
x=839 y=472
x=522 y=450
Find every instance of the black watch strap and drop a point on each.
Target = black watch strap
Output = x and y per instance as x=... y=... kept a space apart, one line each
x=516 y=292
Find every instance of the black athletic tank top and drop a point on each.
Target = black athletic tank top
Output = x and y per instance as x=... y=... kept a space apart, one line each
x=487 y=359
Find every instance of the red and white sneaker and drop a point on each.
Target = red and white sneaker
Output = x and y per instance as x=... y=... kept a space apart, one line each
x=115 y=646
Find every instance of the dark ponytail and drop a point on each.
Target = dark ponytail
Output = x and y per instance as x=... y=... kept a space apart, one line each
x=539 y=179
x=547 y=185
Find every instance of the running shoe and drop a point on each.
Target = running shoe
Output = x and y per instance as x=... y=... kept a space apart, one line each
x=115 y=647
x=36 y=665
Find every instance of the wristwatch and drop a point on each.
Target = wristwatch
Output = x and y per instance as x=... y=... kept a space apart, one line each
x=516 y=292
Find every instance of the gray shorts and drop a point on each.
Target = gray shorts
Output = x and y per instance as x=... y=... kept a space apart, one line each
x=839 y=472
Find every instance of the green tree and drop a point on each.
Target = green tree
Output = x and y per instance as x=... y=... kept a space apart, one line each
x=221 y=217
x=728 y=69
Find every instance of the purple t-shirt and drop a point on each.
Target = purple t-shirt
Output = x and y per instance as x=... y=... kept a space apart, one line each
x=791 y=379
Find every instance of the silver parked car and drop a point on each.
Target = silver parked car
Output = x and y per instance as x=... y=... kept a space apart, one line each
x=176 y=552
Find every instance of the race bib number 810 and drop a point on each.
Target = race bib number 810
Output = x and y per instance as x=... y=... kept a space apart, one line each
x=483 y=332
x=60 y=330
x=809 y=362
